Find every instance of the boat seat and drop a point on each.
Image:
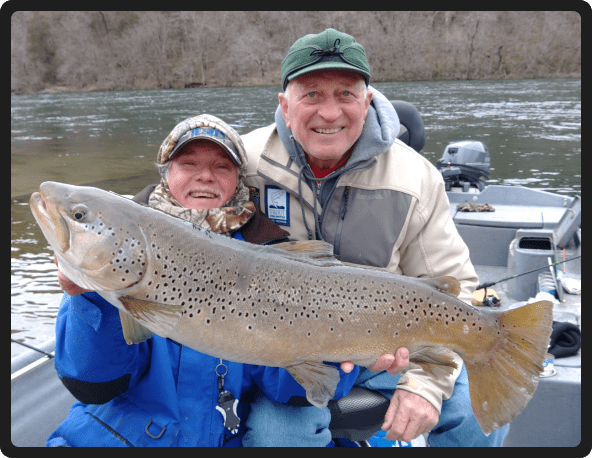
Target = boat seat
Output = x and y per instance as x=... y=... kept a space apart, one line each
x=412 y=131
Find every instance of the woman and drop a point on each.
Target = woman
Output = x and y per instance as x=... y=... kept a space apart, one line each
x=160 y=393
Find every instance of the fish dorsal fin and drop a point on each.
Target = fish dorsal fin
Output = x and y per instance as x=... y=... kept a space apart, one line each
x=314 y=252
x=362 y=266
x=446 y=284
x=158 y=318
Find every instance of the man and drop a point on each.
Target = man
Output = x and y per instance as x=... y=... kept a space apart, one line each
x=331 y=168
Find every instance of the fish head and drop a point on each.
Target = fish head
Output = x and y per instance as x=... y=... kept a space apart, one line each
x=95 y=236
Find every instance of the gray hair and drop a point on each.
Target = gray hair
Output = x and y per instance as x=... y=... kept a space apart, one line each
x=164 y=169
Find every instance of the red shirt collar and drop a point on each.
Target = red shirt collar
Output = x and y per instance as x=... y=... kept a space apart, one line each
x=323 y=173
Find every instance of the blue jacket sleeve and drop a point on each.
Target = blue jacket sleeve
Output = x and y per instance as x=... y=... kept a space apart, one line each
x=92 y=358
x=279 y=386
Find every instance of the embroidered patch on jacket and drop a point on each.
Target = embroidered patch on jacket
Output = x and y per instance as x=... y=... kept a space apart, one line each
x=277 y=205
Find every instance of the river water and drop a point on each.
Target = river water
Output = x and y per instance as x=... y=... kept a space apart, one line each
x=532 y=129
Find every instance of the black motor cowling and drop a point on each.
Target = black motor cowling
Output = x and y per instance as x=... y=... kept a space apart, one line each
x=465 y=164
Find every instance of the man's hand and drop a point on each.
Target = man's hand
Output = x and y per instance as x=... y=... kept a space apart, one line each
x=408 y=416
x=393 y=364
x=67 y=285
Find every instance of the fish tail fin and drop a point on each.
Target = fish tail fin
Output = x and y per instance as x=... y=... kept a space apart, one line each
x=502 y=383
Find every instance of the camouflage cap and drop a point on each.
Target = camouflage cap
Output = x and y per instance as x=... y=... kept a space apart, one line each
x=204 y=127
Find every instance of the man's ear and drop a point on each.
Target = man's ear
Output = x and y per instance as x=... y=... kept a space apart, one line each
x=369 y=96
x=284 y=107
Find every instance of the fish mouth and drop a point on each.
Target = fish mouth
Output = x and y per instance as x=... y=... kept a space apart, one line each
x=50 y=220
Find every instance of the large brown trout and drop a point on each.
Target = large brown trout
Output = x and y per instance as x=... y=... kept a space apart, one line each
x=292 y=305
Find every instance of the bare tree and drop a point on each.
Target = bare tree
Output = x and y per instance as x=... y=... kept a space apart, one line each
x=131 y=50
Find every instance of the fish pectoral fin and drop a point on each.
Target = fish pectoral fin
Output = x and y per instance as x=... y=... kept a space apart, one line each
x=318 y=379
x=314 y=252
x=158 y=318
x=438 y=362
x=133 y=332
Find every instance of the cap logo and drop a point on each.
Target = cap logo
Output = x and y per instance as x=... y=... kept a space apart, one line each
x=211 y=132
x=328 y=52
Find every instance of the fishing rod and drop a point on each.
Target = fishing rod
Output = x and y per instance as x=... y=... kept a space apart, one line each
x=491 y=283
x=49 y=355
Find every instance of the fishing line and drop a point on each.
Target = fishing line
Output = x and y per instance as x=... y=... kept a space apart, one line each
x=491 y=283
x=49 y=355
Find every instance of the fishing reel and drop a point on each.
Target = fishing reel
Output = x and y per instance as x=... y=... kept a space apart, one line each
x=491 y=301
x=486 y=298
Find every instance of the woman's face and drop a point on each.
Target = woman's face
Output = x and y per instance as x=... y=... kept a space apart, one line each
x=202 y=175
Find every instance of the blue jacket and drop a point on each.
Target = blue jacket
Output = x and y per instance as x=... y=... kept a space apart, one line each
x=157 y=393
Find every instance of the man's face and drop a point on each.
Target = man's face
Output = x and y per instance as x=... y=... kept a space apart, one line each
x=326 y=111
x=202 y=175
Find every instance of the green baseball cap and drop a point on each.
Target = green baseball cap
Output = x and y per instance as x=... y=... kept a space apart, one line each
x=328 y=50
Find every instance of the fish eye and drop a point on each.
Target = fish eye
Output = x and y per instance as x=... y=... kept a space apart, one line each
x=79 y=212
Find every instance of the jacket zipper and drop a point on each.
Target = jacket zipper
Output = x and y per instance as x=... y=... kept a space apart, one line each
x=344 y=201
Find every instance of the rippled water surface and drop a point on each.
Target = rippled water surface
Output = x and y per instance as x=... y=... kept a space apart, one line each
x=532 y=129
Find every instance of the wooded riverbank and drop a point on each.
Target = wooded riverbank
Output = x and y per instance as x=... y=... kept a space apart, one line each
x=117 y=50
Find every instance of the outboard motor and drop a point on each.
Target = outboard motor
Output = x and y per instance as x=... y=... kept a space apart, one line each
x=465 y=165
